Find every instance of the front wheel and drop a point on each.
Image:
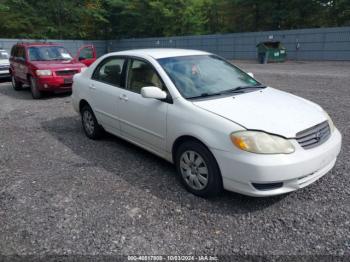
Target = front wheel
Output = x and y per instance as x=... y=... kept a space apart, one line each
x=36 y=93
x=16 y=84
x=198 y=169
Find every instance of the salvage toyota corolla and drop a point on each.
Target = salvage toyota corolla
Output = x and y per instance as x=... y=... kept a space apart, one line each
x=220 y=127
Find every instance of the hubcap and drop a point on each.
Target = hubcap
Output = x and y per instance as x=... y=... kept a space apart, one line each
x=194 y=170
x=89 y=123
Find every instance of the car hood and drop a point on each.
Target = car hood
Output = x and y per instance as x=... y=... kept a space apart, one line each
x=268 y=110
x=57 y=64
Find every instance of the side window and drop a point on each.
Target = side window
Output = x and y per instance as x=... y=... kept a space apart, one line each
x=142 y=74
x=86 y=53
x=110 y=71
x=21 y=53
x=14 y=51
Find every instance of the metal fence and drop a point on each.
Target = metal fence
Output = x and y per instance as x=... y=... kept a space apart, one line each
x=302 y=44
x=71 y=45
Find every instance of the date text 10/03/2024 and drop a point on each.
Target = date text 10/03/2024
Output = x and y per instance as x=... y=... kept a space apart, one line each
x=173 y=258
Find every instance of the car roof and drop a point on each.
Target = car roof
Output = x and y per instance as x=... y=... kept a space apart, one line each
x=158 y=53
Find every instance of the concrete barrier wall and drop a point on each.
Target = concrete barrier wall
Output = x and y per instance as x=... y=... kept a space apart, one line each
x=303 y=44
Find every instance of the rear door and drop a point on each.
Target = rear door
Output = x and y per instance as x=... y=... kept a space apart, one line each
x=21 y=63
x=15 y=62
x=87 y=55
x=105 y=88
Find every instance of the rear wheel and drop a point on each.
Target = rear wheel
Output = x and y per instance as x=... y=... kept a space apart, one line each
x=91 y=127
x=36 y=93
x=16 y=84
x=198 y=169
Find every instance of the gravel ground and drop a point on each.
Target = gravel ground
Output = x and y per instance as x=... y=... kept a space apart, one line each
x=63 y=194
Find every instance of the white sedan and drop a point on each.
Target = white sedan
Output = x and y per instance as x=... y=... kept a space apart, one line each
x=4 y=64
x=220 y=127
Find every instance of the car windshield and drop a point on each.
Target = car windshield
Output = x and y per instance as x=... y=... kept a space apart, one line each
x=48 y=53
x=3 y=55
x=205 y=75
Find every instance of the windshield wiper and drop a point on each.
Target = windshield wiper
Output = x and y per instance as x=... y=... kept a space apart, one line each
x=237 y=90
x=203 y=95
x=240 y=88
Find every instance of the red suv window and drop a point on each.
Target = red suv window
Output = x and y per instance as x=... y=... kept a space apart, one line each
x=21 y=53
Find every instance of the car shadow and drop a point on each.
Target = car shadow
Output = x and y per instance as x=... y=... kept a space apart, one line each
x=24 y=93
x=5 y=80
x=146 y=171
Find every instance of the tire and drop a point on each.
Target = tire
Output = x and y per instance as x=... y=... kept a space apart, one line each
x=36 y=93
x=16 y=84
x=198 y=170
x=91 y=127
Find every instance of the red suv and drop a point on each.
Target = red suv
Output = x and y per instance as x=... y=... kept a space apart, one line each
x=47 y=67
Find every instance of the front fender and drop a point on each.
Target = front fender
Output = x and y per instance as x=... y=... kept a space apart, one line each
x=185 y=119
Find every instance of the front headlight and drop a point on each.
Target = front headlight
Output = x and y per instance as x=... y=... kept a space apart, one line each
x=43 y=72
x=261 y=143
x=330 y=122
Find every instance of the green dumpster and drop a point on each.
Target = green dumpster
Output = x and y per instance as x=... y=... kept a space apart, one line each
x=269 y=52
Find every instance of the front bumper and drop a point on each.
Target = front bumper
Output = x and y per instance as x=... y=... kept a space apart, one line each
x=55 y=83
x=5 y=73
x=302 y=168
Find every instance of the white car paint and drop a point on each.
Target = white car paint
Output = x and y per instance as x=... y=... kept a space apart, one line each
x=4 y=64
x=264 y=110
x=156 y=125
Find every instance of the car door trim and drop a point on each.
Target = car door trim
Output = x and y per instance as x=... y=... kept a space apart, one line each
x=107 y=114
x=141 y=129
x=129 y=124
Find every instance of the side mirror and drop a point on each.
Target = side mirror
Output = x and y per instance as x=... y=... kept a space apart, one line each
x=153 y=92
x=250 y=74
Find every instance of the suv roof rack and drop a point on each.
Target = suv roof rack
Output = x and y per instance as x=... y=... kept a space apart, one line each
x=35 y=43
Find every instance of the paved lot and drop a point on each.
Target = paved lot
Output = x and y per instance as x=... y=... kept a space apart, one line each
x=61 y=193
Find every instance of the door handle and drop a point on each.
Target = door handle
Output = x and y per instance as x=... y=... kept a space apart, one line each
x=92 y=86
x=123 y=97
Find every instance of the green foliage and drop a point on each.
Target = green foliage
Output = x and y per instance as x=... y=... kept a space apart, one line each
x=109 y=19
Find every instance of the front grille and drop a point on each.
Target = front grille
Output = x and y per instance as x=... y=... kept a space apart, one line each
x=314 y=136
x=66 y=72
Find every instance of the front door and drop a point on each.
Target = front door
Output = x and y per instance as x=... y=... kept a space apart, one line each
x=87 y=54
x=143 y=120
x=105 y=89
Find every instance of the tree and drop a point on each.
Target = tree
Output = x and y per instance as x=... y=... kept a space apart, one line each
x=110 y=19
